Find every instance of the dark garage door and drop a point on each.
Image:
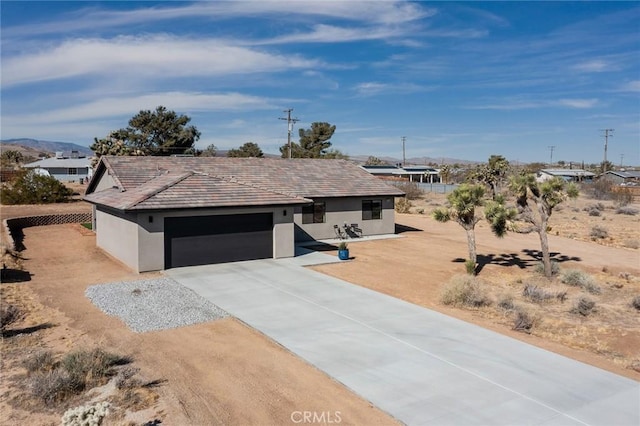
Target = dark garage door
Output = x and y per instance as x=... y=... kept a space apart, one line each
x=203 y=240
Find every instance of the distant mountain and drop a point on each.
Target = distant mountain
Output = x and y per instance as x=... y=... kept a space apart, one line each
x=414 y=161
x=49 y=147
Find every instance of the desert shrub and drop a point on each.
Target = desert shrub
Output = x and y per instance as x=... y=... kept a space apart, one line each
x=86 y=415
x=470 y=266
x=627 y=210
x=539 y=268
x=635 y=303
x=602 y=189
x=577 y=278
x=90 y=366
x=632 y=243
x=536 y=294
x=506 y=302
x=523 y=320
x=622 y=196
x=411 y=189
x=40 y=361
x=464 y=290
x=594 y=212
x=32 y=188
x=9 y=314
x=126 y=378
x=55 y=385
x=597 y=206
x=403 y=205
x=599 y=232
x=420 y=211
x=583 y=306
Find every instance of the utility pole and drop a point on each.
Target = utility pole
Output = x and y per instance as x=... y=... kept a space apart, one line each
x=606 y=144
x=404 y=138
x=551 y=148
x=290 y=123
x=621 y=158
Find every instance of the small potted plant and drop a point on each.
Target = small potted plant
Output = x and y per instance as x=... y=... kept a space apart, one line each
x=343 y=251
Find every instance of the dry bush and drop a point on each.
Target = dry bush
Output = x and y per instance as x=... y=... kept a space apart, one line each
x=464 y=290
x=536 y=294
x=539 y=268
x=91 y=365
x=126 y=378
x=632 y=244
x=411 y=189
x=577 y=278
x=40 y=361
x=627 y=210
x=523 y=320
x=635 y=303
x=55 y=385
x=403 y=205
x=594 y=212
x=9 y=314
x=506 y=302
x=583 y=306
x=599 y=232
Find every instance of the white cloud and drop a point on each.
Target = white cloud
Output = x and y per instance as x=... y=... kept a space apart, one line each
x=380 y=12
x=141 y=57
x=129 y=106
x=578 y=103
x=631 y=86
x=372 y=88
x=595 y=65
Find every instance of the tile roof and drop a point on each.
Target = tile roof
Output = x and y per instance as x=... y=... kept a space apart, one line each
x=188 y=182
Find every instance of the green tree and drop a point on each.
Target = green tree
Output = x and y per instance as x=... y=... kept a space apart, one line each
x=462 y=204
x=374 y=161
x=249 y=149
x=159 y=132
x=445 y=173
x=492 y=174
x=535 y=202
x=314 y=143
x=30 y=187
x=209 y=151
x=11 y=159
x=114 y=144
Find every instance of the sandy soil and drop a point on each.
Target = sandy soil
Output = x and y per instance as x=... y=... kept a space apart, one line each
x=225 y=372
x=416 y=267
x=220 y=372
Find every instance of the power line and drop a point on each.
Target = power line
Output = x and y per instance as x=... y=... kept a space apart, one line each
x=404 y=138
x=607 y=133
x=290 y=123
x=551 y=148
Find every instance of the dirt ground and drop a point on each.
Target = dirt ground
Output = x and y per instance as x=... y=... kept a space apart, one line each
x=221 y=372
x=225 y=372
x=417 y=266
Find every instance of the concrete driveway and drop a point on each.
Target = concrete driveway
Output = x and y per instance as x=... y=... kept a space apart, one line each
x=420 y=366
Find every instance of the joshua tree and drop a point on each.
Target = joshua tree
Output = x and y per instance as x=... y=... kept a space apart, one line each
x=463 y=202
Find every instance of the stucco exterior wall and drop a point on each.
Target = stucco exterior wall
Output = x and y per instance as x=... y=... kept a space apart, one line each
x=117 y=234
x=105 y=182
x=150 y=232
x=62 y=173
x=346 y=210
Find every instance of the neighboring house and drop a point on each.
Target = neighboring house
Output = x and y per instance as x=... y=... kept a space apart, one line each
x=65 y=168
x=623 y=178
x=410 y=173
x=570 y=175
x=157 y=213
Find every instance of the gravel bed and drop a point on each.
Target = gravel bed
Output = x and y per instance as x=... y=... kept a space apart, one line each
x=153 y=304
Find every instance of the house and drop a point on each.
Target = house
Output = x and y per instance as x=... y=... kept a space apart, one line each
x=622 y=177
x=157 y=213
x=64 y=168
x=570 y=175
x=411 y=173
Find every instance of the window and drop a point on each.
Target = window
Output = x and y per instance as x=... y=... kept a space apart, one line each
x=313 y=213
x=371 y=209
x=72 y=171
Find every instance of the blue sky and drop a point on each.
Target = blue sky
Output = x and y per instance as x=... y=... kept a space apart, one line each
x=462 y=80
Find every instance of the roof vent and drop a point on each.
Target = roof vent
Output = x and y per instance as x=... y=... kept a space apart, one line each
x=75 y=154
